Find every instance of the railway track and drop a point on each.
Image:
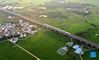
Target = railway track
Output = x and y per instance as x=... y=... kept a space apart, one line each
x=80 y=39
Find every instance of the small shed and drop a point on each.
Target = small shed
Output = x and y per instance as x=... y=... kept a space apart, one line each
x=79 y=51
x=76 y=46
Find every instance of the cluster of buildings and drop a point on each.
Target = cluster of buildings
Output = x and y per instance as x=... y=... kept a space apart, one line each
x=81 y=8
x=21 y=28
x=8 y=7
x=7 y=29
x=76 y=48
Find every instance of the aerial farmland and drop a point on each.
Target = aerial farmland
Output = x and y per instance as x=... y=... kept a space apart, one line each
x=49 y=30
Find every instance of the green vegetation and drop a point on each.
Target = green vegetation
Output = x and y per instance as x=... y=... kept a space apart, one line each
x=92 y=35
x=87 y=56
x=94 y=2
x=73 y=24
x=1 y=20
x=45 y=44
x=9 y=52
x=25 y=2
x=34 y=1
x=73 y=21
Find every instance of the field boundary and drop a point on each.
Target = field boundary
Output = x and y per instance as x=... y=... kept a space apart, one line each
x=37 y=58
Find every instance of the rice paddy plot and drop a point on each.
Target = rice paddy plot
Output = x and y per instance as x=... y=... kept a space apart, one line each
x=45 y=45
x=10 y=52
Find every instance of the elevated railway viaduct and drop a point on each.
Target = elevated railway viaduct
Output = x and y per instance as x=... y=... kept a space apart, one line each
x=80 y=39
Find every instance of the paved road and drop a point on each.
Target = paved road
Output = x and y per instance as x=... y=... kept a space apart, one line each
x=87 y=42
